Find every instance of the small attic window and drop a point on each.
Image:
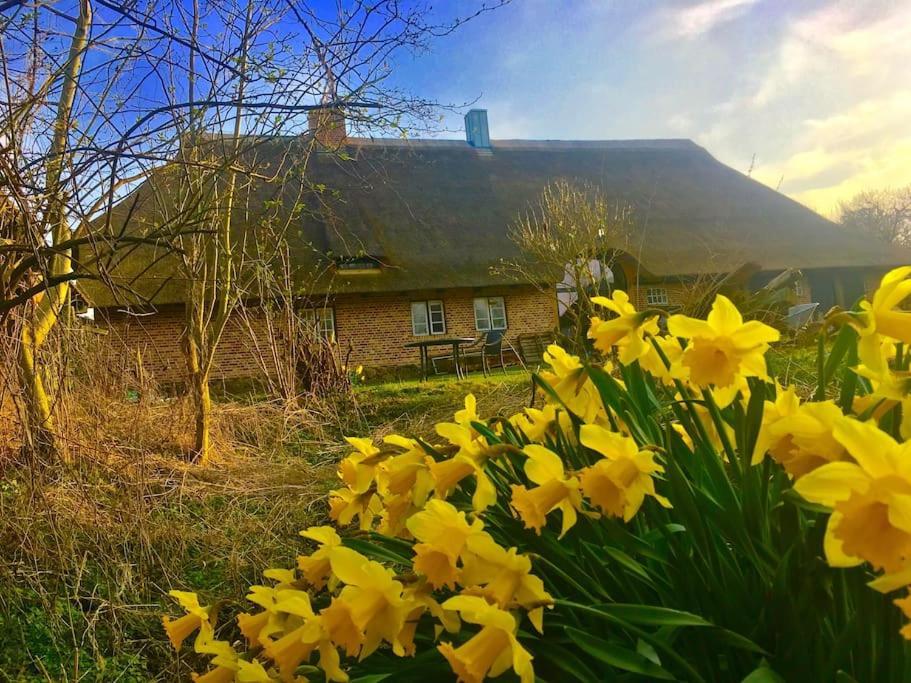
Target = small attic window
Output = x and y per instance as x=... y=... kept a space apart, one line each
x=358 y=264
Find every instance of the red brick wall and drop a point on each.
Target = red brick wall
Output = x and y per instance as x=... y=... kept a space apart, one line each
x=159 y=339
x=378 y=326
x=374 y=326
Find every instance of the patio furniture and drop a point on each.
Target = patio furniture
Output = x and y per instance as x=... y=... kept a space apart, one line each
x=491 y=348
x=531 y=348
x=801 y=315
x=474 y=346
x=454 y=342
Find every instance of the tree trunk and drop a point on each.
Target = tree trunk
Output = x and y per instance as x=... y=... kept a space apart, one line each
x=48 y=306
x=40 y=430
x=202 y=446
x=198 y=372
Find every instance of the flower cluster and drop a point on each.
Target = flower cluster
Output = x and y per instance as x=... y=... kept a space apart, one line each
x=436 y=533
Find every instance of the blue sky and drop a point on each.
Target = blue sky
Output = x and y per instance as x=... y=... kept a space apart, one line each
x=819 y=91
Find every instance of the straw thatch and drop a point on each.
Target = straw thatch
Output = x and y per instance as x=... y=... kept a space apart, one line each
x=435 y=214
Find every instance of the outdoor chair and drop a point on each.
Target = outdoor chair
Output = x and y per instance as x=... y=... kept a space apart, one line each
x=531 y=348
x=492 y=347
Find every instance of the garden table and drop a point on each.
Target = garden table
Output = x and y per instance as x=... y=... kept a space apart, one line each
x=454 y=342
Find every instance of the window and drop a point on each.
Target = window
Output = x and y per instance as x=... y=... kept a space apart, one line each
x=354 y=265
x=489 y=313
x=320 y=321
x=427 y=317
x=656 y=296
x=798 y=288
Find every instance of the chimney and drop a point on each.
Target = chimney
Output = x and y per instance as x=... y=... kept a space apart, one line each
x=476 y=131
x=328 y=126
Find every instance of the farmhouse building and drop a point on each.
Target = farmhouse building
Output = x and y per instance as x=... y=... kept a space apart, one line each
x=392 y=241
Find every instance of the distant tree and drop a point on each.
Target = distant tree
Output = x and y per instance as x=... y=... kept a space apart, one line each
x=574 y=230
x=885 y=214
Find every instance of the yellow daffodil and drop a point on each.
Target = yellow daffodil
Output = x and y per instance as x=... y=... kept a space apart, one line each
x=652 y=362
x=396 y=511
x=555 y=490
x=469 y=413
x=419 y=594
x=723 y=348
x=298 y=645
x=405 y=473
x=346 y=505
x=881 y=321
x=224 y=658
x=535 y=423
x=626 y=330
x=252 y=672
x=504 y=577
x=443 y=532
x=316 y=567
x=619 y=482
x=373 y=599
x=568 y=379
x=491 y=651
x=468 y=461
x=259 y=628
x=905 y=605
x=359 y=468
x=871 y=500
x=799 y=437
x=180 y=629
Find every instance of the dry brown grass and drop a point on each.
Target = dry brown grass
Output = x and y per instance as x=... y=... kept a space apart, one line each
x=88 y=553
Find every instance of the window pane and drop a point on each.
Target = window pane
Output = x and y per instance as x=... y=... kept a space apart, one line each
x=497 y=313
x=481 y=315
x=327 y=320
x=437 y=317
x=656 y=296
x=419 y=318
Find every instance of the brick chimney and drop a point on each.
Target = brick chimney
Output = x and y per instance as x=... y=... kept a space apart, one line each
x=328 y=126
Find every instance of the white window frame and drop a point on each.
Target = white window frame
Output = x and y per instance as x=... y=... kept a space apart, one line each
x=321 y=320
x=432 y=320
x=485 y=318
x=656 y=296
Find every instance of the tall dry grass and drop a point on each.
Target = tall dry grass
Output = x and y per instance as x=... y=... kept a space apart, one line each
x=88 y=552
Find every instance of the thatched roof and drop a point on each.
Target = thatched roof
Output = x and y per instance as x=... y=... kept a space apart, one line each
x=435 y=214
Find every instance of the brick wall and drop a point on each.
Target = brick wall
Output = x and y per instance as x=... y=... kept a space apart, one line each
x=159 y=337
x=377 y=326
x=374 y=326
x=675 y=294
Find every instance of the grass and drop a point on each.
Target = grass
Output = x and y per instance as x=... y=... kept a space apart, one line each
x=88 y=554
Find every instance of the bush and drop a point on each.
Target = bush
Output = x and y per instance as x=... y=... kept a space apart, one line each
x=679 y=517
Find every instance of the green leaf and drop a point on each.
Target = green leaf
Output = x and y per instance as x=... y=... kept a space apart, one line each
x=763 y=674
x=647 y=651
x=628 y=562
x=564 y=659
x=647 y=615
x=616 y=656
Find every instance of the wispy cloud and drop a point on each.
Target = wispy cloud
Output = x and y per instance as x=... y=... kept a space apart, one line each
x=696 y=20
x=842 y=72
x=866 y=146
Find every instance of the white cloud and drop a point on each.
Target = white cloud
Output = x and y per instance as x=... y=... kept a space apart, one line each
x=835 y=95
x=867 y=146
x=698 y=19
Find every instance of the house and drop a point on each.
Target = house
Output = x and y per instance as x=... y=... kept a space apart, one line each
x=393 y=241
